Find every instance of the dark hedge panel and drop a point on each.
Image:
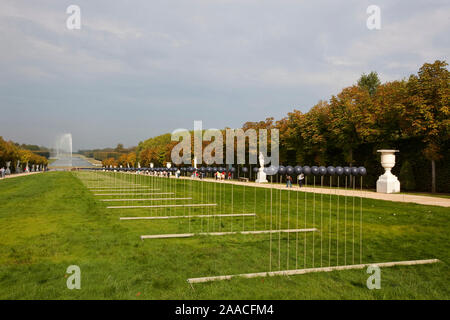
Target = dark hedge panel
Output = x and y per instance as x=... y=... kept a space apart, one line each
x=411 y=150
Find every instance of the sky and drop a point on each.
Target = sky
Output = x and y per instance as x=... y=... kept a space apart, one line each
x=137 y=69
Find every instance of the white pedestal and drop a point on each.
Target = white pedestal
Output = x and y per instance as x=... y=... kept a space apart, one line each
x=261 y=178
x=388 y=183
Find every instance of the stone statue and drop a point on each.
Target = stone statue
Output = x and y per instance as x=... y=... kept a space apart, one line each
x=8 y=170
x=261 y=160
x=18 y=168
x=261 y=174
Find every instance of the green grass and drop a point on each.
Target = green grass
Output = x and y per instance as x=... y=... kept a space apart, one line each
x=50 y=221
x=325 y=184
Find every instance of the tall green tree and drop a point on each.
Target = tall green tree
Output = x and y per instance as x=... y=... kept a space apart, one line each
x=349 y=116
x=369 y=82
x=428 y=112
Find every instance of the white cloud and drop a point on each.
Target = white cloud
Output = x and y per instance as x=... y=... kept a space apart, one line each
x=404 y=44
x=205 y=58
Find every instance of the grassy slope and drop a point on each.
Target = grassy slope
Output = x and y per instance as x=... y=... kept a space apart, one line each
x=51 y=221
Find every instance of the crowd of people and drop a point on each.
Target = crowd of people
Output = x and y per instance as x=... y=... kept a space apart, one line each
x=196 y=174
x=218 y=176
x=4 y=172
x=223 y=175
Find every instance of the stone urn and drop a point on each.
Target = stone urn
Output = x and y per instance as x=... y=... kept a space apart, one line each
x=387 y=182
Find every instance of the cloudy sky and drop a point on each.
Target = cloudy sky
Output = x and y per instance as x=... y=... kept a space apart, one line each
x=142 y=68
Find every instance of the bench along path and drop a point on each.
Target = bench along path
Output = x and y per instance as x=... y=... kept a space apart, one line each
x=396 y=197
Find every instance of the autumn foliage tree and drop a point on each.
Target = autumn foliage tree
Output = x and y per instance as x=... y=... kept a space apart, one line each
x=353 y=124
x=12 y=152
x=109 y=162
x=427 y=112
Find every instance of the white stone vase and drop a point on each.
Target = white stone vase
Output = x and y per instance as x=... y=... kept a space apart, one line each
x=387 y=182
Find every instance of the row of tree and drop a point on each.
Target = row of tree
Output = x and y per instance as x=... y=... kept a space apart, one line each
x=126 y=160
x=411 y=115
x=108 y=153
x=13 y=152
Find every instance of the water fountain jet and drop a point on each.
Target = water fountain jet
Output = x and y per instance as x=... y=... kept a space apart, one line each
x=63 y=149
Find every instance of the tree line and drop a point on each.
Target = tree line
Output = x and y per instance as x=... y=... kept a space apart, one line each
x=113 y=156
x=14 y=152
x=411 y=115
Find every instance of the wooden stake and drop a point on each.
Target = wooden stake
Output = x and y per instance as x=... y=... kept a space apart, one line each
x=129 y=194
x=123 y=189
x=192 y=216
x=148 y=199
x=310 y=270
x=165 y=206
x=120 y=188
x=186 y=235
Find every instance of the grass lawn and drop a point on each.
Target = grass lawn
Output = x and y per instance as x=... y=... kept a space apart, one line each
x=50 y=221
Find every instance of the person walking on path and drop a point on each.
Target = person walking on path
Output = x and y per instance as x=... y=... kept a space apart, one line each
x=300 y=179
x=288 y=181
